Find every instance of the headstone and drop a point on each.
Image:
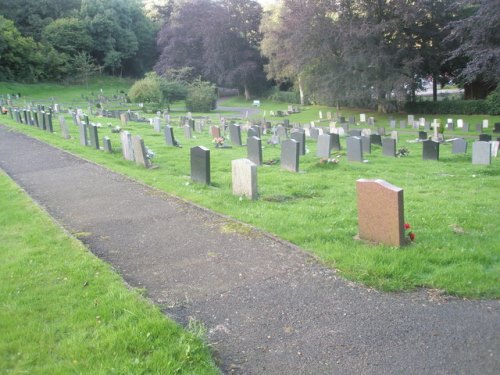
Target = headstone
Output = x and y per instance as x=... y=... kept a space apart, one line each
x=422 y=135
x=354 y=149
x=392 y=124
x=254 y=150
x=450 y=126
x=157 y=124
x=466 y=127
x=215 y=131
x=380 y=212
x=106 y=142
x=355 y=133
x=376 y=139
x=200 y=165
x=410 y=119
x=366 y=132
x=371 y=121
x=324 y=145
x=367 y=146
x=258 y=130
x=481 y=153
x=94 y=137
x=344 y=127
x=381 y=131
x=394 y=135
x=244 y=177
x=252 y=133
x=497 y=127
x=485 y=124
x=314 y=132
x=460 y=123
x=301 y=138
x=290 y=155
x=127 y=148
x=140 y=152
x=124 y=119
x=362 y=118
x=335 y=142
x=479 y=128
x=421 y=121
x=281 y=131
x=169 y=136
x=484 y=137
x=235 y=134
x=427 y=126
x=402 y=124
x=83 y=134
x=389 y=147
x=430 y=150
x=494 y=148
x=329 y=115
x=188 y=132
x=459 y=146
x=352 y=120
x=320 y=115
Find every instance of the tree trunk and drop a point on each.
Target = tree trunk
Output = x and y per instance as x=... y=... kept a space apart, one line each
x=434 y=88
x=301 y=92
x=247 y=92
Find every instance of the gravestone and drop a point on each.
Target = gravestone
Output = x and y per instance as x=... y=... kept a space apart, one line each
x=362 y=118
x=200 y=165
x=381 y=131
x=188 y=132
x=329 y=115
x=140 y=152
x=324 y=144
x=466 y=127
x=355 y=133
x=497 y=127
x=157 y=124
x=459 y=146
x=169 y=136
x=94 y=137
x=410 y=119
x=254 y=150
x=235 y=134
x=402 y=124
x=484 y=137
x=281 y=131
x=494 y=148
x=83 y=134
x=252 y=133
x=486 y=123
x=460 y=123
x=290 y=155
x=300 y=137
x=371 y=121
x=366 y=132
x=354 y=149
x=106 y=142
x=376 y=139
x=127 y=148
x=421 y=121
x=215 y=131
x=422 y=135
x=366 y=145
x=314 y=133
x=479 y=128
x=392 y=124
x=430 y=150
x=427 y=126
x=345 y=128
x=389 y=147
x=352 y=120
x=244 y=178
x=450 y=126
x=258 y=130
x=124 y=120
x=335 y=142
x=380 y=212
x=481 y=153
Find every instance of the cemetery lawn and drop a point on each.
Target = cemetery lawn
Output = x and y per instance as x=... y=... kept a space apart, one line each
x=63 y=311
x=452 y=205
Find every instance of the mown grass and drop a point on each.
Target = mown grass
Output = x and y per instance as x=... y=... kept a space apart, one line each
x=63 y=311
x=452 y=205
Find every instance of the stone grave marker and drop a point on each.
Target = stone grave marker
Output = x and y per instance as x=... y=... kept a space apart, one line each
x=362 y=118
x=254 y=150
x=410 y=119
x=389 y=147
x=244 y=178
x=450 y=126
x=355 y=133
x=94 y=136
x=354 y=149
x=251 y=133
x=371 y=121
x=169 y=136
x=366 y=145
x=124 y=119
x=300 y=137
x=281 y=131
x=430 y=150
x=329 y=115
x=479 y=128
x=320 y=115
x=376 y=139
x=157 y=124
x=127 y=148
x=380 y=212
x=496 y=128
x=214 y=131
x=140 y=152
x=485 y=124
x=481 y=153
x=392 y=124
x=258 y=130
x=290 y=155
x=352 y=120
x=188 y=132
x=494 y=148
x=83 y=134
x=381 y=131
x=335 y=142
x=314 y=133
x=421 y=121
x=460 y=123
x=465 y=127
x=324 y=145
x=427 y=126
x=200 y=165
x=106 y=142
x=235 y=134
x=345 y=127
x=366 y=132
x=459 y=146
x=484 y=137
x=422 y=135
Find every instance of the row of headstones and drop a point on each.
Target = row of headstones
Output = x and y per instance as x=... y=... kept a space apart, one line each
x=482 y=151
x=39 y=118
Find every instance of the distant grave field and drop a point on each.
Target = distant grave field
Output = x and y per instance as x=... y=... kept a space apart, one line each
x=306 y=192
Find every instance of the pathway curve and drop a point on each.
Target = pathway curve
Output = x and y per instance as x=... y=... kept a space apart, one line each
x=268 y=307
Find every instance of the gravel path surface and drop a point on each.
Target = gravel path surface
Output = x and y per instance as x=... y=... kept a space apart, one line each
x=268 y=307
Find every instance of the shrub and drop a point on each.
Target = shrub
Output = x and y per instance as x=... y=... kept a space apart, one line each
x=201 y=96
x=493 y=102
x=146 y=90
x=284 y=96
x=458 y=107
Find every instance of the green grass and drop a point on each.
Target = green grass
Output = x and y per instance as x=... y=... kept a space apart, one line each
x=63 y=311
x=452 y=205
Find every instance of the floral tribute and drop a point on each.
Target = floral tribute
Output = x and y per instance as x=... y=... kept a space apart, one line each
x=410 y=234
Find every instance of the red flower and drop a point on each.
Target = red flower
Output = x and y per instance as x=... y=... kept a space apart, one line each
x=412 y=236
x=407 y=226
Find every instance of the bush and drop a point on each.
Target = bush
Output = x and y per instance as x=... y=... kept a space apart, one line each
x=201 y=96
x=284 y=96
x=452 y=107
x=146 y=90
x=493 y=102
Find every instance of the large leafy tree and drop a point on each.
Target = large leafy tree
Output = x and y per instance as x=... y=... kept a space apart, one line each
x=218 y=39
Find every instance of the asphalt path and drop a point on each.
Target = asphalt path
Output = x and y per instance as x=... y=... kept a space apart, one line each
x=269 y=308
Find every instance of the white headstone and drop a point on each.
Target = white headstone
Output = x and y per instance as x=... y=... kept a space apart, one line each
x=494 y=148
x=485 y=124
x=362 y=117
x=244 y=177
x=460 y=123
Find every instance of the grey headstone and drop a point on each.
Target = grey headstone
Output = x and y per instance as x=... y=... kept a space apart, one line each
x=355 y=133
x=366 y=144
x=244 y=178
x=481 y=153
x=352 y=120
x=422 y=135
x=235 y=134
x=389 y=147
x=402 y=124
x=64 y=127
x=281 y=132
x=94 y=136
x=346 y=128
x=290 y=155
x=465 y=128
x=376 y=139
x=140 y=151
x=200 y=165
x=335 y=142
x=392 y=124
x=252 y=133
x=427 y=126
x=381 y=131
x=169 y=136
x=157 y=124
x=314 y=132
x=354 y=149
x=410 y=119
x=106 y=142
x=188 y=132
x=459 y=146
x=83 y=134
x=258 y=131
x=484 y=137
x=127 y=148
x=324 y=146
x=301 y=138
x=254 y=150
x=479 y=128
x=430 y=150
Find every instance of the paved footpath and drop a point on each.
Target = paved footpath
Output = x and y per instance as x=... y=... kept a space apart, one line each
x=268 y=307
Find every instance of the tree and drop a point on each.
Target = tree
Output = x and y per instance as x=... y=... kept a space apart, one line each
x=68 y=35
x=83 y=66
